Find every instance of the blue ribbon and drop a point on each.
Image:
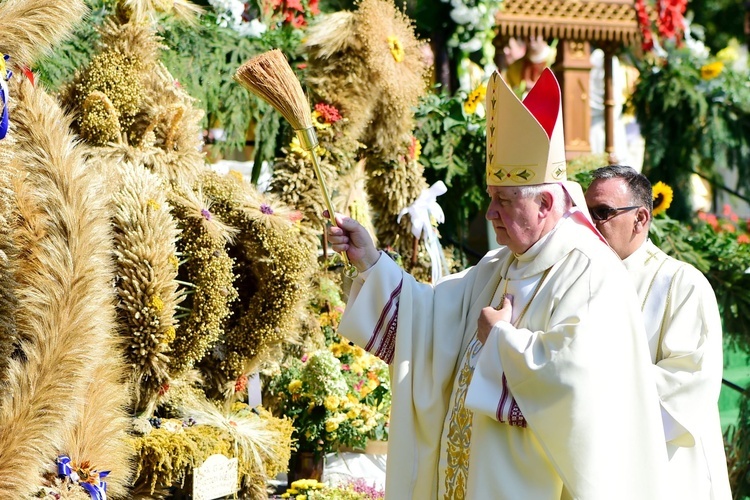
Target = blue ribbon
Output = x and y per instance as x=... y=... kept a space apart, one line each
x=95 y=491
x=63 y=466
x=4 y=119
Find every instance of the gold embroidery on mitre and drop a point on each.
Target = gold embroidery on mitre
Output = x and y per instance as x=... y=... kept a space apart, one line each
x=559 y=170
x=459 y=431
x=514 y=174
x=526 y=174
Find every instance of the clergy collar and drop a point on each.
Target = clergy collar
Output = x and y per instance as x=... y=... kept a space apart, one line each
x=640 y=257
x=548 y=251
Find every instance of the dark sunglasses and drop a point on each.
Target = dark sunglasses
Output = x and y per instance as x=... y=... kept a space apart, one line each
x=606 y=213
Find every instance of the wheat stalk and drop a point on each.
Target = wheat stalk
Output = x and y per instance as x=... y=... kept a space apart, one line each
x=270 y=77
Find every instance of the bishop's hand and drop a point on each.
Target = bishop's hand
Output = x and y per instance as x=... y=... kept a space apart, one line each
x=489 y=316
x=349 y=236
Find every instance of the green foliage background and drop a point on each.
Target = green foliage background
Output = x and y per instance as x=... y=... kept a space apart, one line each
x=692 y=124
x=453 y=151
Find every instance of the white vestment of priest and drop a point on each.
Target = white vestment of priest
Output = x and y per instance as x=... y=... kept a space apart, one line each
x=560 y=404
x=684 y=333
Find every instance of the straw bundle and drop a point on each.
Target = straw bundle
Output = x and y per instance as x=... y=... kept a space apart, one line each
x=269 y=77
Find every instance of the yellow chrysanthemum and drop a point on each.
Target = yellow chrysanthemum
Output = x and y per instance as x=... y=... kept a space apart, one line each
x=331 y=425
x=396 y=48
x=336 y=350
x=331 y=402
x=295 y=386
x=712 y=70
x=474 y=99
x=663 y=196
x=353 y=413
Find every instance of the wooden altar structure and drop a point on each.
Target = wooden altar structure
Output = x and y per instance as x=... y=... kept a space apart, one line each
x=610 y=24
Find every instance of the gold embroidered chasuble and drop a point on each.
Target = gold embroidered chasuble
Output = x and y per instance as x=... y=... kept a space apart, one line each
x=684 y=333
x=575 y=368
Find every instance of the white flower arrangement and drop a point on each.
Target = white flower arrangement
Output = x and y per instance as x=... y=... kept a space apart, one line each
x=475 y=20
x=229 y=15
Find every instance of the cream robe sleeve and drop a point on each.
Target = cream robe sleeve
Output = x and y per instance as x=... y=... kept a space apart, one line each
x=688 y=375
x=420 y=330
x=578 y=368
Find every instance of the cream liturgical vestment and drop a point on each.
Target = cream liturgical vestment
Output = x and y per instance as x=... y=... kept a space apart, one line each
x=559 y=404
x=684 y=334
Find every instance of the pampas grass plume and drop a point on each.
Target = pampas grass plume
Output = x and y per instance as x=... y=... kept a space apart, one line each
x=66 y=307
x=32 y=27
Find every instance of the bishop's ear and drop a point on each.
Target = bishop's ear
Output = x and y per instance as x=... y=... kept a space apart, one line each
x=546 y=203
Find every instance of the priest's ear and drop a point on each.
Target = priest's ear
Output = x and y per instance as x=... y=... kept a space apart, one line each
x=642 y=220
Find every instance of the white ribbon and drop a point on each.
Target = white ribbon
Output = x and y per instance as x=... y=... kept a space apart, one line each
x=422 y=212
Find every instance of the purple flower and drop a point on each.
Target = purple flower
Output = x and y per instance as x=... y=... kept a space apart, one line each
x=266 y=209
x=206 y=214
x=360 y=486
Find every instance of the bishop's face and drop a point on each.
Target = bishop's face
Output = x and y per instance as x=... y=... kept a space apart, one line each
x=515 y=219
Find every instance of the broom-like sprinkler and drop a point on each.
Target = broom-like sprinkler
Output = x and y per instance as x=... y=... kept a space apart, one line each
x=270 y=77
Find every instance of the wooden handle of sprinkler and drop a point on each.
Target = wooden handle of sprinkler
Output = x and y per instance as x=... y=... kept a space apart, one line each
x=309 y=141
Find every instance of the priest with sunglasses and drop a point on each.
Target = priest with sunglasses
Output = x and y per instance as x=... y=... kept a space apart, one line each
x=525 y=377
x=683 y=328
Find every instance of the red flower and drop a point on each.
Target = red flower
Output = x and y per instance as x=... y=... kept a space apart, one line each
x=671 y=18
x=329 y=113
x=295 y=5
x=644 y=23
x=299 y=21
x=313 y=6
x=712 y=220
x=743 y=239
